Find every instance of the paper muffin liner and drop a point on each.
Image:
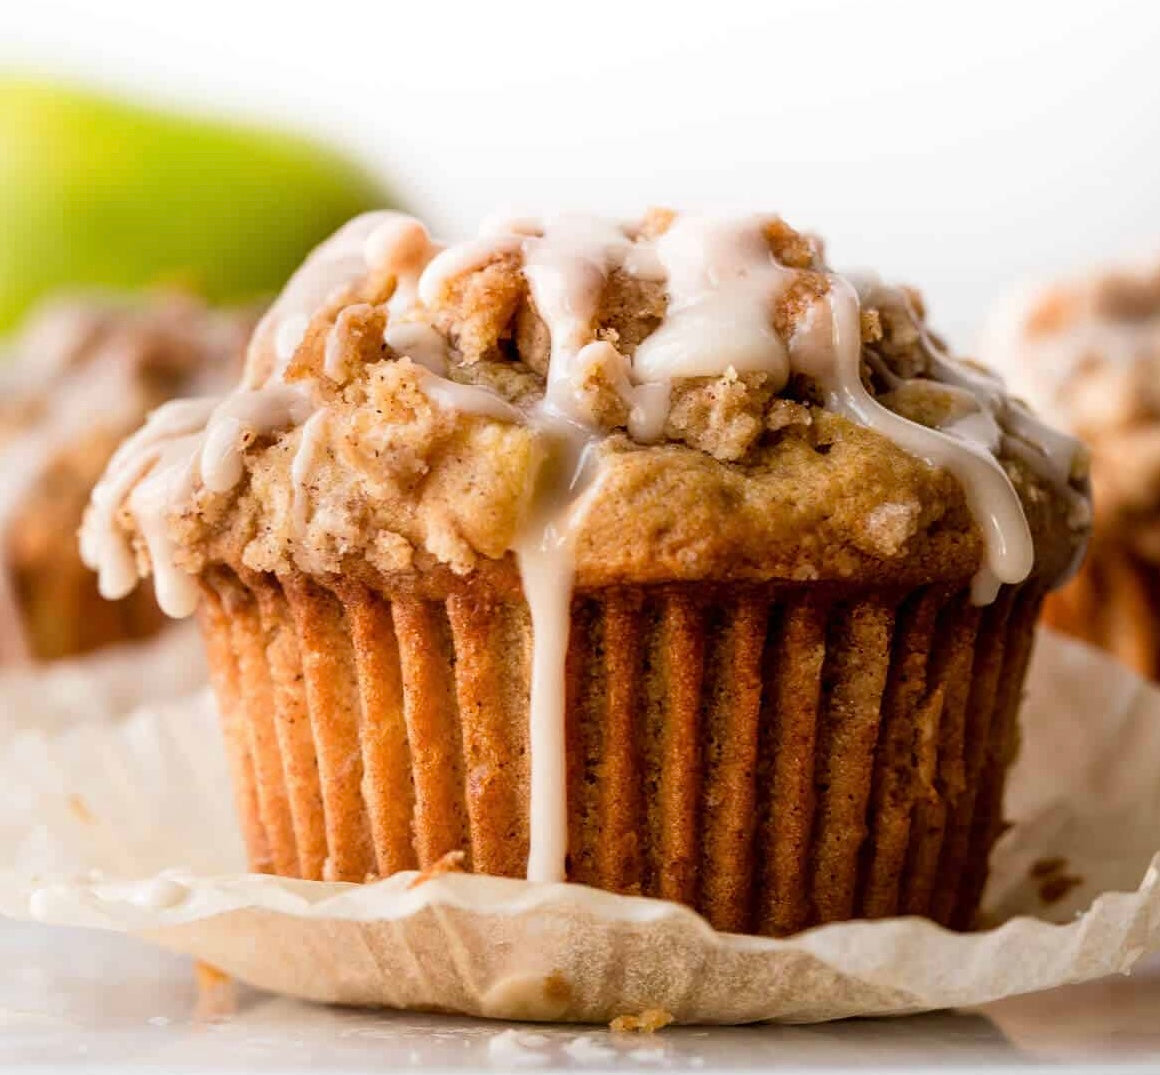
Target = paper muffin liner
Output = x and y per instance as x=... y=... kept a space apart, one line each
x=772 y=758
x=122 y=822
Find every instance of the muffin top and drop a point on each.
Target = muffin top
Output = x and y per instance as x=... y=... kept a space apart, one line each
x=675 y=397
x=1087 y=353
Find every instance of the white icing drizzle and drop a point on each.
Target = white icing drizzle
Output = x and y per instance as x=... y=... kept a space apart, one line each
x=723 y=284
x=836 y=366
x=142 y=477
x=330 y=267
x=546 y=556
x=238 y=419
x=420 y=343
x=400 y=247
x=470 y=399
x=313 y=434
x=462 y=258
x=182 y=444
x=1009 y=423
x=190 y=443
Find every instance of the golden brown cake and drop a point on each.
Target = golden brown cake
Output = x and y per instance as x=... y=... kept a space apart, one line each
x=654 y=556
x=80 y=378
x=1087 y=353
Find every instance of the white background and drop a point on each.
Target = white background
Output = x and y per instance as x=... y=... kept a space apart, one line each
x=960 y=147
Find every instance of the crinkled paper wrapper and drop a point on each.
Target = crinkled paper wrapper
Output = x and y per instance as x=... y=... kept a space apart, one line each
x=119 y=818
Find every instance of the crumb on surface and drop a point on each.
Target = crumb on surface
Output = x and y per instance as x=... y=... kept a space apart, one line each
x=216 y=992
x=648 y=1022
x=80 y=809
x=452 y=862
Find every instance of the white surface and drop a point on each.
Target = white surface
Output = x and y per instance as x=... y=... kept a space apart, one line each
x=958 y=147
x=93 y=1002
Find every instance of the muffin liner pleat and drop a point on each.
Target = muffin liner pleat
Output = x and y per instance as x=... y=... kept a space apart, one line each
x=774 y=757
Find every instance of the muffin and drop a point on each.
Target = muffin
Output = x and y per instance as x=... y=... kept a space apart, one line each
x=82 y=376
x=653 y=556
x=1087 y=352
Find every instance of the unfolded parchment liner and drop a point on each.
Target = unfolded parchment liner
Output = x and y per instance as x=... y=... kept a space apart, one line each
x=123 y=821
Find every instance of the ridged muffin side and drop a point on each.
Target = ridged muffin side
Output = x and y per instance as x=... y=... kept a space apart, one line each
x=775 y=756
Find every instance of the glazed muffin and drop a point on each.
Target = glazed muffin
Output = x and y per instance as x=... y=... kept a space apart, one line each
x=651 y=555
x=1087 y=352
x=81 y=377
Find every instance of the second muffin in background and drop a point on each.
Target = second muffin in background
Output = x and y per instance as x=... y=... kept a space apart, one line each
x=82 y=375
x=651 y=555
x=1086 y=352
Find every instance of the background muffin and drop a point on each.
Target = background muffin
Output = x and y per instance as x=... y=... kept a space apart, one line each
x=613 y=553
x=1087 y=352
x=84 y=373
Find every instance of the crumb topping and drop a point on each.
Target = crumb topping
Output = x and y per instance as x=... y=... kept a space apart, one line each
x=421 y=462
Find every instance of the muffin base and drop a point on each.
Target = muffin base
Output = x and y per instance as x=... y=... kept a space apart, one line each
x=773 y=756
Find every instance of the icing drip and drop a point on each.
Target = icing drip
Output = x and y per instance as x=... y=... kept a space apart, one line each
x=241 y=417
x=390 y=238
x=146 y=474
x=188 y=443
x=546 y=556
x=832 y=354
x=723 y=285
x=1010 y=424
x=470 y=399
x=566 y=260
x=157 y=469
x=420 y=343
x=304 y=461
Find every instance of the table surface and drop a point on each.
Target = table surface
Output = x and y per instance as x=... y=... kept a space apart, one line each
x=89 y=1001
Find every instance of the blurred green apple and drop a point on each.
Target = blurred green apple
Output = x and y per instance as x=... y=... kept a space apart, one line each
x=95 y=192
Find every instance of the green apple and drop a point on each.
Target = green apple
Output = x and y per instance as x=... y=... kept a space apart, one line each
x=96 y=192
